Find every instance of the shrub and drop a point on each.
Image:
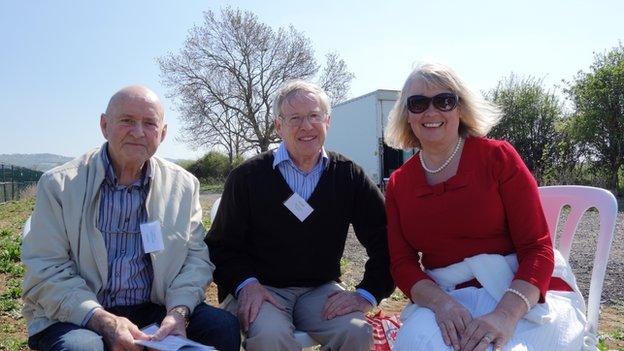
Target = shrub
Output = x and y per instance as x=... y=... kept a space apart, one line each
x=213 y=165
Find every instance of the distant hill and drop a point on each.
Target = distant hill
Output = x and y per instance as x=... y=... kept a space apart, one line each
x=39 y=162
x=178 y=161
x=44 y=162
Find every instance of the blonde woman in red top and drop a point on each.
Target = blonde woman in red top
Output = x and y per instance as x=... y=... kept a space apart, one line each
x=469 y=243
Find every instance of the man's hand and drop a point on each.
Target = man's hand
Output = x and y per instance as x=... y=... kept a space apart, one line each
x=118 y=332
x=250 y=299
x=342 y=302
x=174 y=323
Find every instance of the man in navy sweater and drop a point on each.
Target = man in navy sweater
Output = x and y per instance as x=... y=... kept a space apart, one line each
x=281 y=229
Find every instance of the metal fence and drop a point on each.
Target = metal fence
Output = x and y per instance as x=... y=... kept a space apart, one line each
x=15 y=180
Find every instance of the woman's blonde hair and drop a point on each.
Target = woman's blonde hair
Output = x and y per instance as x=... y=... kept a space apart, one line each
x=476 y=115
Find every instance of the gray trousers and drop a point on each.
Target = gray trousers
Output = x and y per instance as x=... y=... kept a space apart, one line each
x=273 y=329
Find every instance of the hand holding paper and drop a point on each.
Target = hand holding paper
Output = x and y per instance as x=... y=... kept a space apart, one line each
x=170 y=342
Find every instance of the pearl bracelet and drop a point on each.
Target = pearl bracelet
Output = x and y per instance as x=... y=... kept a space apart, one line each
x=520 y=295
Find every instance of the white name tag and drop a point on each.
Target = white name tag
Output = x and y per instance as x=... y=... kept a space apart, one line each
x=298 y=206
x=152 y=237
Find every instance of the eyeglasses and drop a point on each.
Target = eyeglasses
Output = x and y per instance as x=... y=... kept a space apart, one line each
x=444 y=102
x=296 y=120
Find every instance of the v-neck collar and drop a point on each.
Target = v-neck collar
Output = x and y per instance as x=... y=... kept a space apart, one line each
x=286 y=191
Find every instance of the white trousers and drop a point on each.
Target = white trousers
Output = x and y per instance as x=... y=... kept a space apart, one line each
x=557 y=324
x=565 y=332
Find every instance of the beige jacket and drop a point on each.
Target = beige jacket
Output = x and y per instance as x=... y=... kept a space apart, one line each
x=64 y=252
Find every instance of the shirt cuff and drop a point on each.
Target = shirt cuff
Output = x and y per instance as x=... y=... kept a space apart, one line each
x=244 y=284
x=368 y=296
x=87 y=318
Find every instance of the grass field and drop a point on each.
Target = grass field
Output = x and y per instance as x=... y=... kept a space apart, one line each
x=13 y=214
x=13 y=327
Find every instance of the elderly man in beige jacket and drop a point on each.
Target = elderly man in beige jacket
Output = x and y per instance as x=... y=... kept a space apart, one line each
x=116 y=244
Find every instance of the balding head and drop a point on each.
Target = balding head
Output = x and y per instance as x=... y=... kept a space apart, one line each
x=136 y=93
x=134 y=127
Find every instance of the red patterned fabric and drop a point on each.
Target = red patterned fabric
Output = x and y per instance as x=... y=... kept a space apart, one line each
x=385 y=331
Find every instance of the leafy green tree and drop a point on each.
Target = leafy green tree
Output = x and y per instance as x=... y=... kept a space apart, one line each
x=529 y=116
x=568 y=160
x=598 y=98
x=214 y=166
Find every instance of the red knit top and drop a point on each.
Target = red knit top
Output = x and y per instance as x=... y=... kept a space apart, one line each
x=491 y=205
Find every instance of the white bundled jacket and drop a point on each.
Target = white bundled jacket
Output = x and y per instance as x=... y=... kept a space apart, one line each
x=64 y=252
x=557 y=324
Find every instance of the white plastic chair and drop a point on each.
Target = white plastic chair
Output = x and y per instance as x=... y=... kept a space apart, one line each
x=214 y=209
x=26 y=228
x=303 y=338
x=580 y=199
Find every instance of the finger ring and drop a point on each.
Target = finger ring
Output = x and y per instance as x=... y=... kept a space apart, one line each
x=487 y=338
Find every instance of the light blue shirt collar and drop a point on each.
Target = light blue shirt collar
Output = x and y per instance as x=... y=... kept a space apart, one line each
x=147 y=172
x=281 y=155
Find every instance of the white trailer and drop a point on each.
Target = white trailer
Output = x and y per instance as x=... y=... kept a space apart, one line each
x=357 y=131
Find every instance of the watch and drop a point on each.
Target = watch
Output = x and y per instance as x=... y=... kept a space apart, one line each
x=181 y=311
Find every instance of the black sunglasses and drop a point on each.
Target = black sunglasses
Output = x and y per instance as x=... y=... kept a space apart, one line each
x=444 y=102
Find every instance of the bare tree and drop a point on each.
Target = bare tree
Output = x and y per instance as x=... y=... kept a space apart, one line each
x=228 y=71
x=335 y=79
x=208 y=125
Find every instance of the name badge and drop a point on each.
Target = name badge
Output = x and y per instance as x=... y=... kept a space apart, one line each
x=152 y=237
x=298 y=206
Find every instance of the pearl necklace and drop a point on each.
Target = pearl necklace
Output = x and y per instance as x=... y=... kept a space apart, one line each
x=446 y=163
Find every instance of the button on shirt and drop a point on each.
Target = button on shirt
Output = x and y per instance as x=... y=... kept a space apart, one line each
x=303 y=184
x=122 y=210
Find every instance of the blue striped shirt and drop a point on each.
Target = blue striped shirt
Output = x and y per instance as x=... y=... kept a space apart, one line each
x=122 y=210
x=302 y=183
x=299 y=181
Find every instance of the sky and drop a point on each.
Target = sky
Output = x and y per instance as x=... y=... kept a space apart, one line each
x=60 y=61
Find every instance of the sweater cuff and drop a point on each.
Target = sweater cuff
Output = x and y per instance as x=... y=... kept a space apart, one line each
x=244 y=284
x=367 y=296
x=542 y=286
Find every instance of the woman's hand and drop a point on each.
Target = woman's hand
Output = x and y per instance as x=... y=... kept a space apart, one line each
x=498 y=326
x=495 y=327
x=451 y=316
x=453 y=319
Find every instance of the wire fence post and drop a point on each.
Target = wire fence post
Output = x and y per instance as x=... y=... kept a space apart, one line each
x=3 y=183
x=12 y=182
x=16 y=183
